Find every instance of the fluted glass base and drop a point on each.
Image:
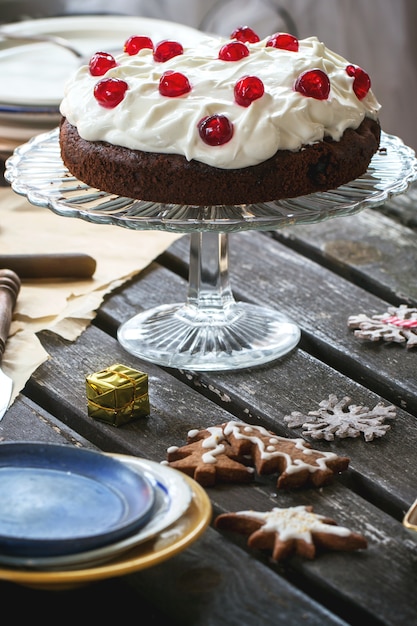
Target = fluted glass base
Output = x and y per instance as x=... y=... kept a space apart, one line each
x=182 y=336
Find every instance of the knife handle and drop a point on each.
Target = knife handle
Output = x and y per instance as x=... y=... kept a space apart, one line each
x=9 y=289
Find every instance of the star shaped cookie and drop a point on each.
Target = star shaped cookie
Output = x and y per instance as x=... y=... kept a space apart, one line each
x=294 y=530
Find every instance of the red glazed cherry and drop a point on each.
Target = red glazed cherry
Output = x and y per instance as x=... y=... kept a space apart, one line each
x=313 y=84
x=136 y=43
x=361 y=82
x=109 y=92
x=233 y=51
x=284 y=41
x=100 y=62
x=215 y=130
x=166 y=49
x=245 y=34
x=173 y=84
x=248 y=89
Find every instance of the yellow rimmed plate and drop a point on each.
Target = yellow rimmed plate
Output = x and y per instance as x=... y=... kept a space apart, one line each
x=410 y=520
x=167 y=544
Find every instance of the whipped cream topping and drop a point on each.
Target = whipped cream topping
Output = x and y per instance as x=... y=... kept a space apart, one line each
x=281 y=119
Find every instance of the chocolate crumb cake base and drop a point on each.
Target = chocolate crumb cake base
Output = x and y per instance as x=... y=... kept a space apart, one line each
x=172 y=179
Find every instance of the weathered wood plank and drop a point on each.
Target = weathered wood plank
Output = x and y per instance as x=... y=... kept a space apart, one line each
x=369 y=249
x=221 y=589
x=403 y=207
x=27 y=421
x=108 y=599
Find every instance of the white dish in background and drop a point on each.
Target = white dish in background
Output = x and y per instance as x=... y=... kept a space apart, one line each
x=34 y=74
x=22 y=132
x=173 y=497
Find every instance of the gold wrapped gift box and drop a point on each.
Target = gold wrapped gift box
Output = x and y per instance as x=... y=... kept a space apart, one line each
x=117 y=395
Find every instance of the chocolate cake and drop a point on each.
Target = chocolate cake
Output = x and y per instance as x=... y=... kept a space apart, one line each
x=232 y=122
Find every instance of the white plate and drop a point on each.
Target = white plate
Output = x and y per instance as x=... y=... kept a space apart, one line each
x=23 y=132
x=35 y=74
x=173 y=497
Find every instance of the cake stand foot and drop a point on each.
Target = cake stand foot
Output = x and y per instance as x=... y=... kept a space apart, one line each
x=210 y=331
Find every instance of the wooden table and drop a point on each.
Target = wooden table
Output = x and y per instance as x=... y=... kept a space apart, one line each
x=319 y=275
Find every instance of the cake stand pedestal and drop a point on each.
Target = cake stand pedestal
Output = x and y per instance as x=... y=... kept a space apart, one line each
x=210 y=331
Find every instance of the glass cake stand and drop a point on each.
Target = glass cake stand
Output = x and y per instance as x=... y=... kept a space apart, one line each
x=210 y=330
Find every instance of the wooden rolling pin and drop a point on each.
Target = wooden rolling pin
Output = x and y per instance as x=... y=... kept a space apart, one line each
x=66 y=265
x=9 y=289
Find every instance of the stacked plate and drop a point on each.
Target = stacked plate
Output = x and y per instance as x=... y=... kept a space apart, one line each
x=33 y=75
x=410 y=520
x=71 y=515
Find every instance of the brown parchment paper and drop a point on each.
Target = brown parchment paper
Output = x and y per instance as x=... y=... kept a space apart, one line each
x=64 y=307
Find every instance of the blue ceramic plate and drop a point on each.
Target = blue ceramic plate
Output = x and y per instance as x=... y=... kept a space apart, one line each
x=57 y=499
x=173 y=497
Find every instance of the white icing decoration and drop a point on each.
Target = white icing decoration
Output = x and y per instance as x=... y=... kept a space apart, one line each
x=281 y=119
x=210 y=457
x=295 y=523
x=213 y=444
x=238 y=431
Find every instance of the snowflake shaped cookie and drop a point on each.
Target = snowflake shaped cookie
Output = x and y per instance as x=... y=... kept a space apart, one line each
x=339 y=418
x=398 y=325
x=293 y=530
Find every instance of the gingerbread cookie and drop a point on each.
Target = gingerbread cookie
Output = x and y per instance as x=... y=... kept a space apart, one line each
x=208 y=458
x=295 y=530
x=223 y=453
x=296 y=462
